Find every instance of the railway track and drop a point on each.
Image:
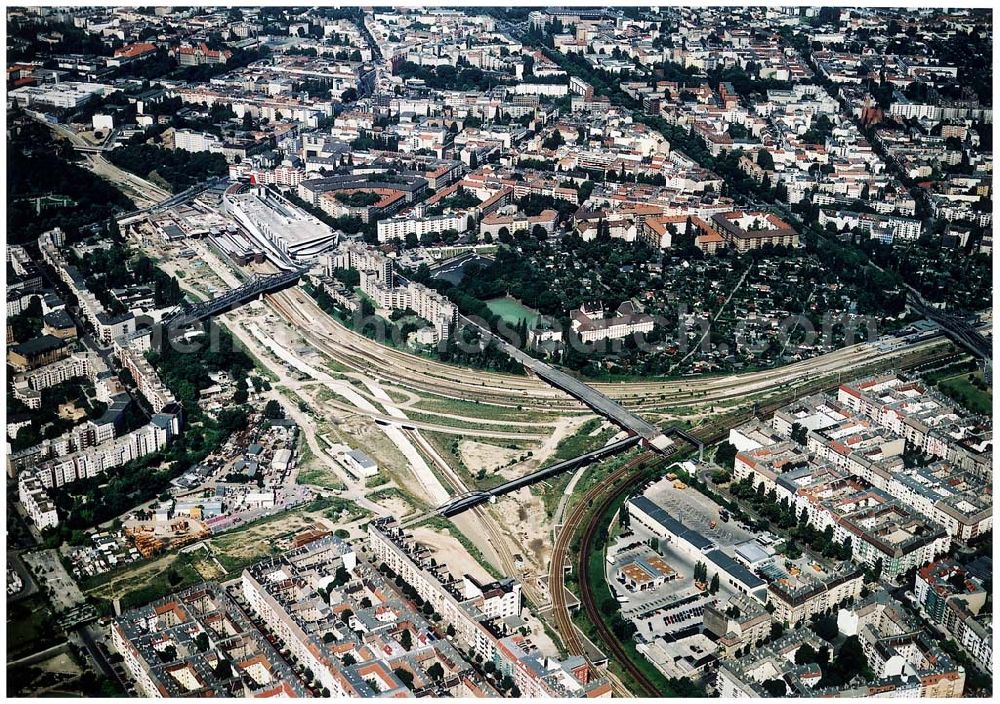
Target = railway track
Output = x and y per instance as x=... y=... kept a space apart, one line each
x=495 y=537
x=418 y=375
x=709 y=433
x=363 y=354
x=564 y=624
x=716 y=431
x=611 y=641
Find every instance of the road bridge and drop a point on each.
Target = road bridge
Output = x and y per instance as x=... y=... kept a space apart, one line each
x=231 y=299
x=464 y=502
x=613 y=411
x=961 y=331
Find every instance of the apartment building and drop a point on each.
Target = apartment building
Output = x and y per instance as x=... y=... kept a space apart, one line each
x=147 y=381
x=106 y=327
x=70 y=465
x=739 y=623
x=191 y=141
x=938 y=585
x=201 y=54
x=198 y=643
x=796 y=598
x=397 y=228
x=477 y=612
x=748 y=230
x=589 y=321
x=340 y=618
x=496 y=222
x=905 y=661
x=35 y=500
x=923 y=419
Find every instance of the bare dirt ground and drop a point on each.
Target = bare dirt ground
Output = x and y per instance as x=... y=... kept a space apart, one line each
x=61 y=663
x=133 y=579
x=396 y=506
x=258 y=539
x=522 y=518
x=448 y=551
x=565 y=426
x=479 y=455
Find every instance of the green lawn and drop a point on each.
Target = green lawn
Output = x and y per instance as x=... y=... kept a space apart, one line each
x=960 y=389
x=512 y=311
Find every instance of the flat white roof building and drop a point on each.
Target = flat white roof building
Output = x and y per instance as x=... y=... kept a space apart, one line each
x=286 y=232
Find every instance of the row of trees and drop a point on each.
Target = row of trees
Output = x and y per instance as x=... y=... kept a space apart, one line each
x=178 y=168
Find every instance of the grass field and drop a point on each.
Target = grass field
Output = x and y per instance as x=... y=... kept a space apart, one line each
x=512 y=311
x=960 y=389
x=471 y=409
x=319 y=476
x=581 y=442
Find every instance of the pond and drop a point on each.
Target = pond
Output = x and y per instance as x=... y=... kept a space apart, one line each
x=512 y=310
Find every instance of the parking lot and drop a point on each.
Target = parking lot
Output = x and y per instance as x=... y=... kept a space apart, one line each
x=697 y=511
x=64 y=592
x=678 y=603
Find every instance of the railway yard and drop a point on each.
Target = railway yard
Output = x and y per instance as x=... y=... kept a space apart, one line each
x=499 y=352
x=399 y=404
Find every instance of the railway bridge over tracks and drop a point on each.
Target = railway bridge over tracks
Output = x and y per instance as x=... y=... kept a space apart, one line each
x=234 y=298
x=464 y=502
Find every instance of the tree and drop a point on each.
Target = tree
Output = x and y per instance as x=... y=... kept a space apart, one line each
x=725 y=455
x=713 y=588
x=765 y=160
x=273 y=410
x=877 y=570
x=223 y=670
x=775 y=688
x=348 y=660
x=450 y=631
x=405 y=676
x=406 y=639
x=799 y=433
x=349 y=96
x=825 y=626
x=805 y=654
x=554 y=140
x=435 y=671
x=201 y=642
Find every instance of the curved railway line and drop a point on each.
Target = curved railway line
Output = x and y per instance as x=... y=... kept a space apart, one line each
x=419 y=374
x=603 y=494
x=581 y=511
